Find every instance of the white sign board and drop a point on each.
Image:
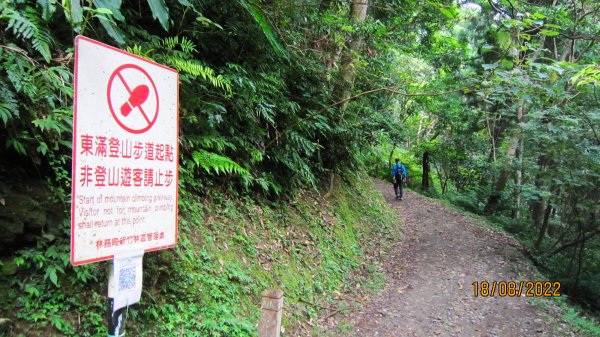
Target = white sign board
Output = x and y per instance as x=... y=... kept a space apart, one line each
x=125 y=154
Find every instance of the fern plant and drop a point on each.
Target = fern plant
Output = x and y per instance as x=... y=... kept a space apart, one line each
x=29 y=26
x=179 y=53
x=216 y=163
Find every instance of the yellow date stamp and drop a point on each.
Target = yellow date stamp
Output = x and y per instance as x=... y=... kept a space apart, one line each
x=516 y=289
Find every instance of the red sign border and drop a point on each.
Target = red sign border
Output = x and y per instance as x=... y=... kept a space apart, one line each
x=74 y=149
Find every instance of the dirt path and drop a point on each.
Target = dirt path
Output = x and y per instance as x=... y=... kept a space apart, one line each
x=429 y=278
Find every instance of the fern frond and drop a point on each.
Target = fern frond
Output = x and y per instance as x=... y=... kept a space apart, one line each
x=300 y=143
x=211 y=161
x=265 y=110
x=29 y=26
x=299 y=166
x=8 y=104
x=187 y=45
x=198 y=69
x=267 y=185
x=137 y=50
x=5 y=113
x=171 y=43
x=217 y=143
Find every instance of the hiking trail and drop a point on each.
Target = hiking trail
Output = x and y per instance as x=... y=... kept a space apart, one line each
x=429 y=275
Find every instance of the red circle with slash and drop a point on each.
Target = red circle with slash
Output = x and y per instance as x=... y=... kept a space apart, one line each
x=131 y=93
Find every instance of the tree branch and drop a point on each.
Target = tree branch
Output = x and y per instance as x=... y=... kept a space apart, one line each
x=21 y=52
x=576 y=242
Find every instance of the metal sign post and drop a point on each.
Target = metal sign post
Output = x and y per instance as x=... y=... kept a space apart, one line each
x=125 y=166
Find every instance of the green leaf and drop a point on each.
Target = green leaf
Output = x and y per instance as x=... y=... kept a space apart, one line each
x=448 y=13
x=29 y=26
x=507 y=64
x=76 y=13
x=104 y=11
x=112 y=30
x=538 y=16
x=57 y=322
x=54 y=277
x=42 y=148
x=113 y=5
x=160 y=12
x=211 y=161
x=5 y=113
x=48 y=9
x=551 y=25
x=33 y=291
x=46 y=124
x=487 y=48
x=503 y=39
x=206 y=22
x=548 y=32
x=489 y=66
x=348 y=28
x=265 y=26
x=51 y=274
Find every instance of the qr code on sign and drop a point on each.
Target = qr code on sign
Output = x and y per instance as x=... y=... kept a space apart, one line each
x=127 y=278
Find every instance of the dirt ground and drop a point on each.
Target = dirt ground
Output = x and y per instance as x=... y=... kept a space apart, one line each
x=429 y=276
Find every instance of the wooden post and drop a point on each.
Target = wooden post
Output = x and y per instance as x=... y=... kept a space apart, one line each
x=270 y=314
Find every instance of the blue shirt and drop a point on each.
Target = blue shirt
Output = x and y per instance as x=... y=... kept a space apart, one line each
x=402 y=167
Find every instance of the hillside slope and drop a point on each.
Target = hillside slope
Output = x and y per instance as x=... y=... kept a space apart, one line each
x=231 y=249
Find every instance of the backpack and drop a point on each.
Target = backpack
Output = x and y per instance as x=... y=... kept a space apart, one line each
x=399 y=173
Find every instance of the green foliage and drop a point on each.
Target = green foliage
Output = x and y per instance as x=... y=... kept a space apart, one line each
x=578 y=320
x=160 y=11
x=210 y=161
x=29 y=26
x=230 y=250
x=48 y=288
x=587 y=75
x=258 y=16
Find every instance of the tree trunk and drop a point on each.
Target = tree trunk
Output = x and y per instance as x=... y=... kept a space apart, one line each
x=544 y=229
x=516 y=213
x=390 y=158
x=426 y=168
x=515 y=140
x=511 y=149
x=496 y=195
x=541 y=216
x=444 y=180
x=337 y=148
x=345 y=84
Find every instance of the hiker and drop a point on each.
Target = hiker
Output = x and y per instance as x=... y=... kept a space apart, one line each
x=399 y=175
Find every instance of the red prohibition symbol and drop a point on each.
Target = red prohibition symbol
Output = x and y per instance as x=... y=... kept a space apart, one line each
x=135 y=110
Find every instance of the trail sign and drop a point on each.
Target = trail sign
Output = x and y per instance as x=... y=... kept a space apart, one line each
x=125 y=154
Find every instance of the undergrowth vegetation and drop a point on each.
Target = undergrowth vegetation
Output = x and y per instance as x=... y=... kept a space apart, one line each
x=231 y=249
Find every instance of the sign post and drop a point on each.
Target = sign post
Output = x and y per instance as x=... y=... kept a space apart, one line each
x=125 y=166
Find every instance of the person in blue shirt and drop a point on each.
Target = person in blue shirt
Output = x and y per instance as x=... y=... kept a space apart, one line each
x=399 y=174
